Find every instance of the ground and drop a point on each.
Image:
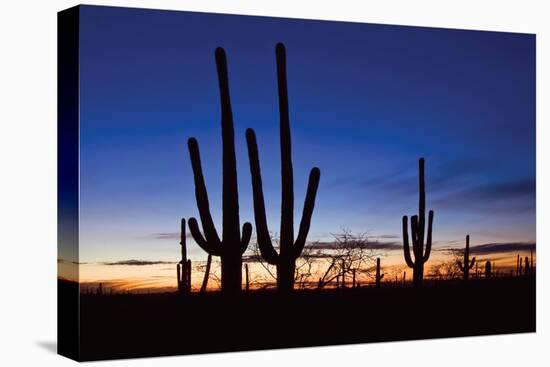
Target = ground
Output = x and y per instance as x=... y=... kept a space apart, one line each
x=125 y=326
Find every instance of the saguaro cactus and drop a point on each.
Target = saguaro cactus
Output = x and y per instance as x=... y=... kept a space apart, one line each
x=467 y=264
x=418 y=232
x=289 y=250
x=487 y=269
x=527 y=270
x=233 y=245
x=184 y=265
x=379 y=276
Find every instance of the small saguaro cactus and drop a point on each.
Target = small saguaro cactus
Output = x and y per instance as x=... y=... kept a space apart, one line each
x=233 y=245
x=289 y=249
x=421 y=252
x=379 y=275
x=527 y=270
x=487 y=269
x=183 y=267
x=467 y=264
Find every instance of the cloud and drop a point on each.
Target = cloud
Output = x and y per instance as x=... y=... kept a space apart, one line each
x=438 y=178
x=518 y=195
x=63 y=261
x=371 y=245
x=138 y=262
x=168 y=236
x=490 y=248
x=387 y=236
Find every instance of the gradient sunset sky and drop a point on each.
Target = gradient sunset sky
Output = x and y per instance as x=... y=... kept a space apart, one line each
x=366 y=101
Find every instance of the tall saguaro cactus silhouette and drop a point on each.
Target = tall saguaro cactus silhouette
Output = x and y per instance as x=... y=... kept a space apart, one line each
x=184 y=266
x=379 y=275
x=233 y=245
x=289 y=249
x=421 y=252
x=467 y=264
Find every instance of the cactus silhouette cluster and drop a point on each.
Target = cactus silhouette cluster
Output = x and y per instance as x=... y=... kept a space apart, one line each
x=466 y=265
x=421 y=252
x=289 y=248
x=183 y=267
x=233 y=244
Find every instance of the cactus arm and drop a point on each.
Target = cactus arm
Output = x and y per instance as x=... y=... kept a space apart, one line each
x=262 y=231
x=246 y=234
x=382 y=276
x=406 y=248
x=429 y=236
x=460 y=266
x=210 y=247
x=287 y=179
x=309 y=204
x=473 y=262
x=201 y=195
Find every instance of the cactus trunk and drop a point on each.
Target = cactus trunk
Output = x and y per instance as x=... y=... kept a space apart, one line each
x=379 y=276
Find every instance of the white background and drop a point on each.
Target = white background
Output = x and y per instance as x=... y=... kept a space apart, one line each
x=28 y=181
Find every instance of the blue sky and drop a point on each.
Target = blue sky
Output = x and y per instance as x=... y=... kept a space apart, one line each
x=366 y=101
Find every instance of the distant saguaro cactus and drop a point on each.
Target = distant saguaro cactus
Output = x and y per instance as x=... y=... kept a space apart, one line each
x=289 y=250
x=233 y=245
x=487 y=269
x=467 y=264
x=418 y=232
x=379 y=275
x=183 y=267
x=527 y=270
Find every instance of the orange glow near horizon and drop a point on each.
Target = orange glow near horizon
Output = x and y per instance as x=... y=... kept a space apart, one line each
x=162 y=277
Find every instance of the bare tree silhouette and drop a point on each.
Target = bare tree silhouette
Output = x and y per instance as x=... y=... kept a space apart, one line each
x=447 y=269
x=350 y=253
x=290 y=250
x=417 y=233
x=233 y=245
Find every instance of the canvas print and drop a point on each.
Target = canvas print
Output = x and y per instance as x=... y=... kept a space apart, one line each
x=231 y=183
